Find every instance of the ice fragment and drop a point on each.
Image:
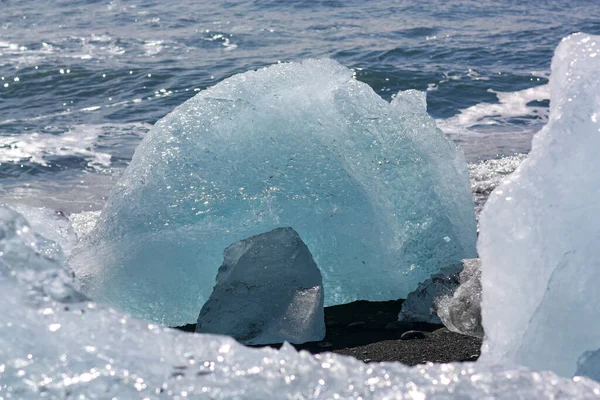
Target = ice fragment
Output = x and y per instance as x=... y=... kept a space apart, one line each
x=268 y=290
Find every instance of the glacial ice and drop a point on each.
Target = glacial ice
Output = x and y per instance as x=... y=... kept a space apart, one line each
x=33 y=260
x=268 y=290
x=420 y=304
x=378 y=193
x=539 y=230
x=52 y=225
x=21 y=248
x=588 y=365
x=461 y=311
x=86 y=350
x=451 y=297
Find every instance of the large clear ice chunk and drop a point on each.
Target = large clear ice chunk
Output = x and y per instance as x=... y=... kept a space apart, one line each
x=268 y=290
x=376 y=191
x=540 y=229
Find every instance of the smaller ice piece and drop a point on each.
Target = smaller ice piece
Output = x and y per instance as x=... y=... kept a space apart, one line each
x=539 y=232
x=268 y=290
x=420 y=303
x=461 y=312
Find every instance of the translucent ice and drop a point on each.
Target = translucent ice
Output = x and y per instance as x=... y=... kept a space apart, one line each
x=269 y=290
x=420 y=304
x=22 y=249
x=589 y=365
x=32 y=259
x=461 y=311
x=52 y=225
x=540 y=229
x=88 y=351
x=375 y=190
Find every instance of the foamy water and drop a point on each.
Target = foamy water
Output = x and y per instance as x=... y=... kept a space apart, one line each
x=80 y=85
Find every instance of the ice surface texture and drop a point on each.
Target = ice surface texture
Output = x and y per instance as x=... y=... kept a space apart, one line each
x=379 y=195
x=540 y=229
x=52 y=225
x=461 y=311
x=88 y=351
x=420 y=304
x=29 y=258
x=269 y=290
x=451 y=297
x=589 y=365
x=22 y=249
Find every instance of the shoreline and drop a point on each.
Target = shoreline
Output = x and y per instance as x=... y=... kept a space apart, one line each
x=370 y=332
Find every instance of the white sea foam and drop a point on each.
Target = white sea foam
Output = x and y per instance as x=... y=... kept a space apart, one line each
x=81 y=141
x=153 y=47
x=487 y=175
x=39 y=148
x=68 y=191
x=511 y=105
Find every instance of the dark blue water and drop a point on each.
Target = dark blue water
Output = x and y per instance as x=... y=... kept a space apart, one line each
x=82 y=81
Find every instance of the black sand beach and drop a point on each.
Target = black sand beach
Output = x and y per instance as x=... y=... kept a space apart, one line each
x=369 y=331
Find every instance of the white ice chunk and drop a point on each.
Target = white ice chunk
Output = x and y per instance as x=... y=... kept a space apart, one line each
x=268 y=290
x=540 y=229
x=461 y=311
x=378 y=194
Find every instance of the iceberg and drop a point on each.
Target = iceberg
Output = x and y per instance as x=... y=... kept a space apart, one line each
x=460 y=311
x=539 y=230
x=379 y=195
x=268 y=290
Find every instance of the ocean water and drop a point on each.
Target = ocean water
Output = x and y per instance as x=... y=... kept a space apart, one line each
x=83 y=81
